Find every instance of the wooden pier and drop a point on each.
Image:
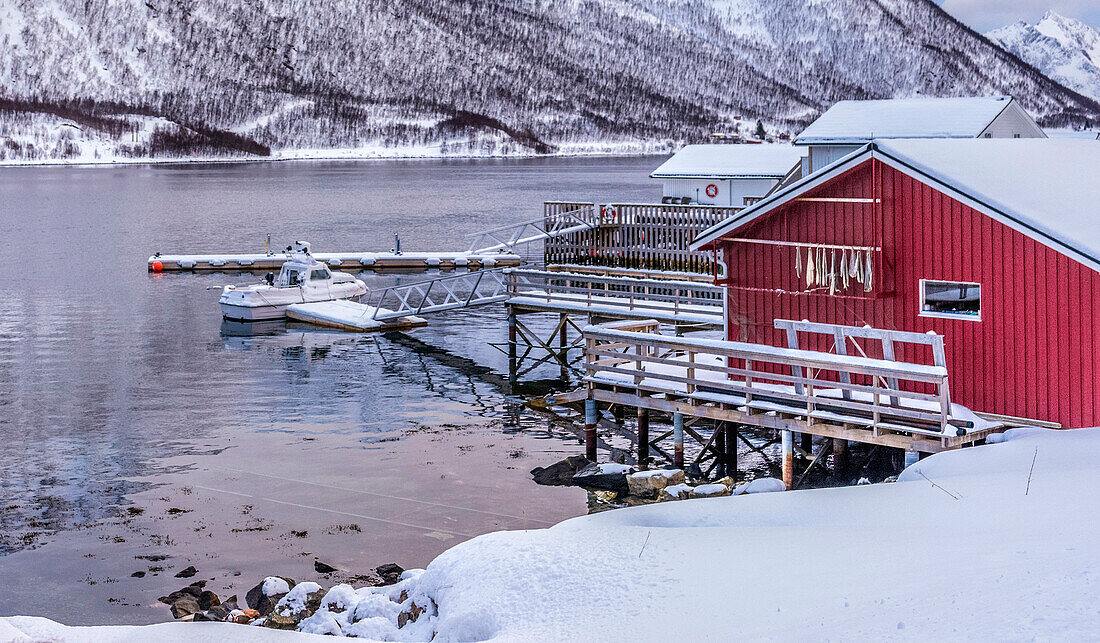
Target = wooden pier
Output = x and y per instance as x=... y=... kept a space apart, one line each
x=354 y=261
x=833 y=395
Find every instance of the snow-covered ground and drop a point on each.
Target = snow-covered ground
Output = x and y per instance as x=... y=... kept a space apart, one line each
x=991 y=543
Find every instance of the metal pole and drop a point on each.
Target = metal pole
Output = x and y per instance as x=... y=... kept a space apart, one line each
x=678 y=440
x=788 y=458
x=591 y=415
x=643 y=438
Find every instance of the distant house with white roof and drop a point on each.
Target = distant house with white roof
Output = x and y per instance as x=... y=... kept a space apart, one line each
x=725 y=174
x=848 y=125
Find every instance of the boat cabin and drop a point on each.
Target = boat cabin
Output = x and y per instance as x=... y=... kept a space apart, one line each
x=299 y=271
x=993 y=245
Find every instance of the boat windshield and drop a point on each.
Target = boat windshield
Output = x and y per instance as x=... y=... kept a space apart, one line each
x=319 y=274
x=290 y=277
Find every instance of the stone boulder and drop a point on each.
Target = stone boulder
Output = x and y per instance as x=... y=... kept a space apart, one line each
x=713 y=490
x=185 y=605
x=760 y=485
x=266 y=595
x=559 y=474
x=604 y=477
x=390 y=573
x=675 y=492
x=648 y=484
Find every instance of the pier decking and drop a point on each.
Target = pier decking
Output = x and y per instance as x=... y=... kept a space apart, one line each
x=884 y=402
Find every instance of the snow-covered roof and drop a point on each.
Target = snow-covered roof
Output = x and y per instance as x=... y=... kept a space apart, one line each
x=858 y=121
x=730 y=161
x=1043 y=187
x=1049 y=186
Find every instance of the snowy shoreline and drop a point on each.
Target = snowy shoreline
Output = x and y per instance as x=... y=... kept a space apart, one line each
x=993 y=542
x=347 y=154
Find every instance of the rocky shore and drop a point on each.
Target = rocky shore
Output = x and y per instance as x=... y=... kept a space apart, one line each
x=377 y=610
x=611 y=485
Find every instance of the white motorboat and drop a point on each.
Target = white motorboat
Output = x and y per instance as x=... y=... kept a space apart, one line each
x=302 y=279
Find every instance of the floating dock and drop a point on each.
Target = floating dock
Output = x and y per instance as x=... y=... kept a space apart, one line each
x=336 y=260
x=351 y=316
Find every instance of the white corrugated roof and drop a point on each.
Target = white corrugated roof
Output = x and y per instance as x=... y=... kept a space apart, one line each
x=1047 y=188
x=730 y=161
x=857 y=121
x=1051 y=186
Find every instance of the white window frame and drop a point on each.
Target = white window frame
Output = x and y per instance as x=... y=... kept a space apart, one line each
x=924 y=313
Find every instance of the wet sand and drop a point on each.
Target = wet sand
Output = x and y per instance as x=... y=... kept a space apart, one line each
x=274 y=506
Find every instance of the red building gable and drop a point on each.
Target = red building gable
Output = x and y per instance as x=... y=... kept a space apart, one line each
x=1019 y=308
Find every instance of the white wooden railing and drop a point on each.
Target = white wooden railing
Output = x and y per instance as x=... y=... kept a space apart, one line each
x=667 y=300
x=820 y=387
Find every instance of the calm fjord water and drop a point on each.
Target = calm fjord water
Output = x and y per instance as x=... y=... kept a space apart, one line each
x=134 y=424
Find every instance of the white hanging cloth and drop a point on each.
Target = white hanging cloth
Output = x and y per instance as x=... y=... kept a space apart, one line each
x=869 y=280
x=810 y=268
x=853 y=266
x=797 y=262
x=832 y=273
x=822 y=266
x=844 y=269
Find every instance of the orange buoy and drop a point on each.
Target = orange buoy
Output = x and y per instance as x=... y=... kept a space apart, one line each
x=157 y=266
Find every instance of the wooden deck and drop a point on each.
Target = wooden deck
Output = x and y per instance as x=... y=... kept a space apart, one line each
x=828 y=394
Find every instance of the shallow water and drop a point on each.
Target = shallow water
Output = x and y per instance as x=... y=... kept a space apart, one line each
x=134 y=424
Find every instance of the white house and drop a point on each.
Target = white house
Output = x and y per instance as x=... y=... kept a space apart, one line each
x=725 y=174
x=848 y=125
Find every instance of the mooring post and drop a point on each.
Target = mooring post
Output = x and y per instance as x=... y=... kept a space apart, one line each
x=643 y=438
x=840 y=457
x=591 y=416
x=678 y=440
x=788 y=458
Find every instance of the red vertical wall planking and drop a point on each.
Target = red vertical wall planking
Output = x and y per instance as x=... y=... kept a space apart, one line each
x=1034 y=353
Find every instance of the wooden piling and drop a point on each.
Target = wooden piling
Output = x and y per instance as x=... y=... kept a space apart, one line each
x=678 y=440
x=731 y=449
x=720 y=447
x=643 y=439
x=788 y=458
x=591 y=416
x=840 y=457
x=512 y=346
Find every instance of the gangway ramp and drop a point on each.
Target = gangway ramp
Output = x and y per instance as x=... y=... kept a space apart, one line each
x=506 y=238
x=685 y=304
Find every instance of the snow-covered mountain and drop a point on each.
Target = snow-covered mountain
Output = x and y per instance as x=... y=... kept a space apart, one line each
x=161 y=77
x=1065 y=49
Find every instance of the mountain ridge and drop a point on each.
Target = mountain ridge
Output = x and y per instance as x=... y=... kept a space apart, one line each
x=1065 y=49
x=494 y=77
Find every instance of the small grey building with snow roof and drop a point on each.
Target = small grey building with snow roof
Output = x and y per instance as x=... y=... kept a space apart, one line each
x=725 y=174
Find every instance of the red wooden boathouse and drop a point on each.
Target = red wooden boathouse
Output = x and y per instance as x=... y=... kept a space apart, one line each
x=994 y=244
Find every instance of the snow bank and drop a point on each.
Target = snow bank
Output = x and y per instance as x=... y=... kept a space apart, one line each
x=994 y=542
